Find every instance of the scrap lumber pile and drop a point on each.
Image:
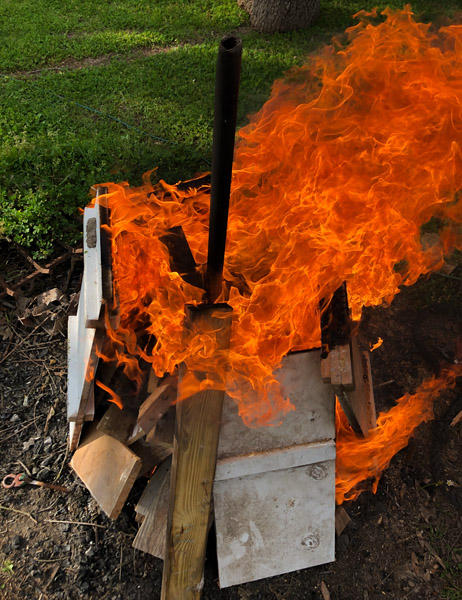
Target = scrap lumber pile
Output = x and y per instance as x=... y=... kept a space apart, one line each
x=266 y=488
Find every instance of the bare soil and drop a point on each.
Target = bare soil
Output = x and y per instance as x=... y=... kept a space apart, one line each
x=403 y=543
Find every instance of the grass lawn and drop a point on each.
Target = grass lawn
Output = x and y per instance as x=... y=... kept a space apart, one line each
x=66 y=66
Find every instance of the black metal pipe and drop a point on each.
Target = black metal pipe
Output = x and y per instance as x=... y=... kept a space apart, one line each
x=224 y=130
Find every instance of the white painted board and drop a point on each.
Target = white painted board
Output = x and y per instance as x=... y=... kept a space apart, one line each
x=81 y=348
x=92 y=264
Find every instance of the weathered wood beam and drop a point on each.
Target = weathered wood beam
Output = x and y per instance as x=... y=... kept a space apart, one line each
x=198 y=420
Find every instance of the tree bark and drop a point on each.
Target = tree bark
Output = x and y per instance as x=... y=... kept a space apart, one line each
x=270 y=16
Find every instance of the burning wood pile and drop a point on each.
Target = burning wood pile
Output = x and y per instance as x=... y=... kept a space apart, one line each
x=222 y=370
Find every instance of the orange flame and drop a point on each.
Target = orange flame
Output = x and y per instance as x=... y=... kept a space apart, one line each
x=332 y=180
x=360 y=459
x=113 y=397
x=377 y=344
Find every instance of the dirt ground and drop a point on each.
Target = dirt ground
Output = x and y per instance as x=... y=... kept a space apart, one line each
x=402 y=543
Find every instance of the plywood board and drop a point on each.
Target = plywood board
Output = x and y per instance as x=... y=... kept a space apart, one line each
x=275 y=522
x=108 y=469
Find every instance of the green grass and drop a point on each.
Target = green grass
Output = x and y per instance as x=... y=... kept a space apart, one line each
x=153 y=69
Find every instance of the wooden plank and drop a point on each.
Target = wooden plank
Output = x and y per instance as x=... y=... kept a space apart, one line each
x=92 y=272
x=336 y=368
x=90 y=406
x=152 y=488
x=341 y=519
x=82 y=361
x=157 y=404
x=153 y=506
x=75 y=431
x=151 y=454
x=118 y=423
x=361 y=398
x=153 y=381
x=193 y=467
x=108 y=469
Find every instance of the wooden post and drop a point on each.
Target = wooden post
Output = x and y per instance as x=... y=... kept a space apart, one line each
x=198 y=420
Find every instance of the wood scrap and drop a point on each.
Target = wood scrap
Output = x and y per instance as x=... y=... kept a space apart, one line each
x=108 y=469
x=164 y=429
x=342 y=519
x=118 y=422
x=157 y=404
x=151 y=454
x=336 y=368
x=153 y=507
x=361 y=398
x=325 y=591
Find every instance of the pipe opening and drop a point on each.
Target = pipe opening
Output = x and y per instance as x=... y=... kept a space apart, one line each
x=229 y=42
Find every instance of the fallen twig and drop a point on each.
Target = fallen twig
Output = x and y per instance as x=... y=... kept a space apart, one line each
x=62 y=464
x=9 y=291
x=20 y=512
x=30 y=260
x=76 y=523
x=22 y=428
x=13 y=288
x=24 y=467
x=19 y=344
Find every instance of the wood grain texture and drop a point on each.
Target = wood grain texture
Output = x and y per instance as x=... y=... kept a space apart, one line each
x=193 y=469
x=108 y=469
x=336 y=368
x=361 y=398
x=153 y=506
x=118 y=423
x=157 y=404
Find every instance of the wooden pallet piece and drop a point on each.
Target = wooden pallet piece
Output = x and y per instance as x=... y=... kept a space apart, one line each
x=153 y=507
x=108 y=469
x=193 y=468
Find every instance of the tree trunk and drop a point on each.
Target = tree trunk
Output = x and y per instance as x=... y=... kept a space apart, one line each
x=280 y=15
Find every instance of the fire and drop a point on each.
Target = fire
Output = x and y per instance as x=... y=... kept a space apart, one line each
x=361 y=459
x=377 y=344
x=332 y=181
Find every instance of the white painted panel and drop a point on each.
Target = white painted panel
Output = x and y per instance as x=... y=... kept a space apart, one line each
x=81 y=348
x=92 y=263
x=275 y=522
